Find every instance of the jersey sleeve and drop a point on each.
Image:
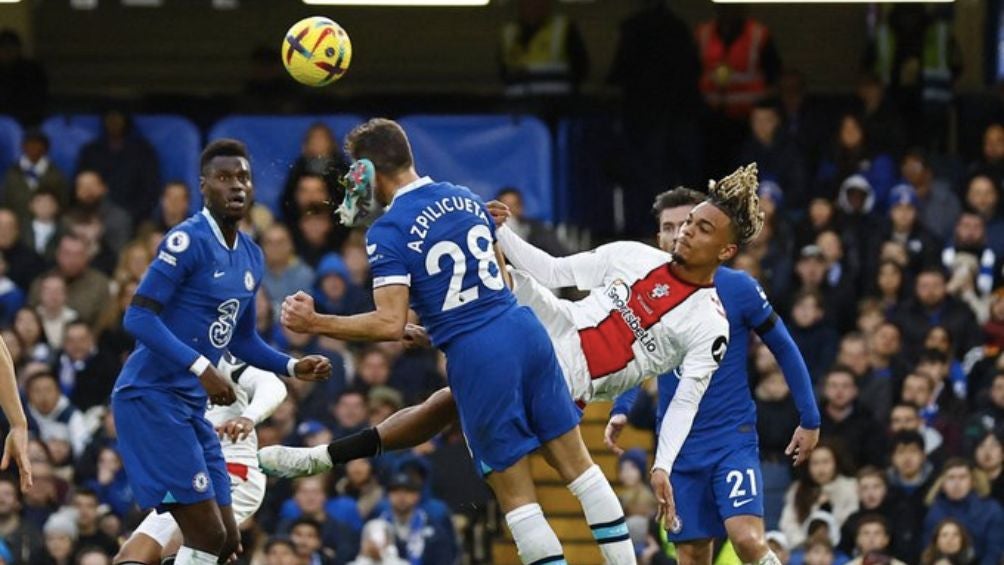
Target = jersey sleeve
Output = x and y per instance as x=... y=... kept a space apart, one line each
x=383 y=247
x=176 y=259
x=265 y=390
x=177 y=256
x=708 y=330
x=708 y=333
x=756 y=309
x=760 y=315
x=584 y=271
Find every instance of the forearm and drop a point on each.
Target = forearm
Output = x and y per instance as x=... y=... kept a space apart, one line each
x=149 y=329
x=796 y=374
x=371 y=326
x=10 y=401
x=552 y=272
x=253 y=350
x=678 y=420
x=267 y=393
x=624 y=402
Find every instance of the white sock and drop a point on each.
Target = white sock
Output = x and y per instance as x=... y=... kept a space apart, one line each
x=535 y=540
x=604 y=515
x=320 y=453
x=770 y=558
x=189 y=556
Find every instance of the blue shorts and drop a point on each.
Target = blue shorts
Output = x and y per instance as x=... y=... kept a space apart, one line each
x=171 y=453
x=509 y=389
x=726 y=482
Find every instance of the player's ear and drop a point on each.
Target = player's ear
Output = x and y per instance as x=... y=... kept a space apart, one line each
x=728 y=252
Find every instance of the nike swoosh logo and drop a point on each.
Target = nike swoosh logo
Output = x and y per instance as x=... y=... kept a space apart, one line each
x=371 y=249
x=218 y=274
x=738 y=503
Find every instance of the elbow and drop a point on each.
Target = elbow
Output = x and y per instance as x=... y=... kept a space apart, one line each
x=131 y=321
x=393 y=332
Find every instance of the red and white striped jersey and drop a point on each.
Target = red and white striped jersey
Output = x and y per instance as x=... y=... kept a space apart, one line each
x=638 y=321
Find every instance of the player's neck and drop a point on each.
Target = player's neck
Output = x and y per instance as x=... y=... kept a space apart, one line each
x=693 y=274
x=399 y=181
x=227 y=227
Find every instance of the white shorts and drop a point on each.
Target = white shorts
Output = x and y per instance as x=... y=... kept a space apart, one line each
x=247 y=495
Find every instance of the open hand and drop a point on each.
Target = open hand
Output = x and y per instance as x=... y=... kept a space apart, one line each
x=664 y=496
x=802 y=443
x=16 y=448
x=499 y=212
x=298 y=313
x=313 y=368
x=236 y=429
x=614 y=428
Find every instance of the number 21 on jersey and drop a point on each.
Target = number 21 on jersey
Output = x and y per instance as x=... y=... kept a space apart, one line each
x=479 y=247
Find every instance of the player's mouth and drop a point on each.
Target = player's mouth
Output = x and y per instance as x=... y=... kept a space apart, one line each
x=237 y=201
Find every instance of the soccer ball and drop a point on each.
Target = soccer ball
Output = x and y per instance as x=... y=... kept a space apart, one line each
x=316 y=51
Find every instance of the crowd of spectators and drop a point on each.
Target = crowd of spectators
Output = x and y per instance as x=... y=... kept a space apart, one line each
x=883 y=252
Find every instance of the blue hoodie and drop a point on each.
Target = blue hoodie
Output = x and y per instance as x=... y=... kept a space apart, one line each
x=354 y=301
x=982 y=517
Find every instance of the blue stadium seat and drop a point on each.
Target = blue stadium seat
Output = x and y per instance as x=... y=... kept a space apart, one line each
x=274 y=143
x=67 y=135
x=486 y=153
x=176 y=140
x=10 y=142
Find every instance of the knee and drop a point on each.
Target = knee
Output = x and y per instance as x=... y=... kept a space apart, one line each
x=137 y=550
x=749 y=545
x=694 y=553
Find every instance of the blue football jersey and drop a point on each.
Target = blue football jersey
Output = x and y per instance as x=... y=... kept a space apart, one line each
x=727 y=413
x=213 y=287
x=438 y=239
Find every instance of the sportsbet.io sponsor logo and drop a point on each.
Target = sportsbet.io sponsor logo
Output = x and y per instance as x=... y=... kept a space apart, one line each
x=620 y=293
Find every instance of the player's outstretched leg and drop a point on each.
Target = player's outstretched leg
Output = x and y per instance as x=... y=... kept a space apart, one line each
x=405 y=428
x=568 y=455
x=535 y=541
x=746 y=532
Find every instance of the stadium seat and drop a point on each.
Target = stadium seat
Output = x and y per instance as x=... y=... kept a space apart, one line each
x=584 y=187
x=274 y=143
x=176 y=140
x=10 y=142
x=486 y=153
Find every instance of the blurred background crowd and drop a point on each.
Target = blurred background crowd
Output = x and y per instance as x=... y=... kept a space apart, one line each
x=883 y=252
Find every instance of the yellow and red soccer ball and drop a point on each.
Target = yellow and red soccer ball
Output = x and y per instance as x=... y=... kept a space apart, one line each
x=316 y=51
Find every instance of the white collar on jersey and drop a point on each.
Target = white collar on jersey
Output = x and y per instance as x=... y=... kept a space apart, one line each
x=218 y=232
x=411 y=186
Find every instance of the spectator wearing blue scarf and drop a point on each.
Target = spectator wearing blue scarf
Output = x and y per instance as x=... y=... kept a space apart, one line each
x=420 y=539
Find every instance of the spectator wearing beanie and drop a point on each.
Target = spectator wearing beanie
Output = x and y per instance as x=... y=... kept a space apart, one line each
x=60 y=535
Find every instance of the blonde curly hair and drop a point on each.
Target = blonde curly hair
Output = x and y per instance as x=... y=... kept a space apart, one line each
x=736 y=195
